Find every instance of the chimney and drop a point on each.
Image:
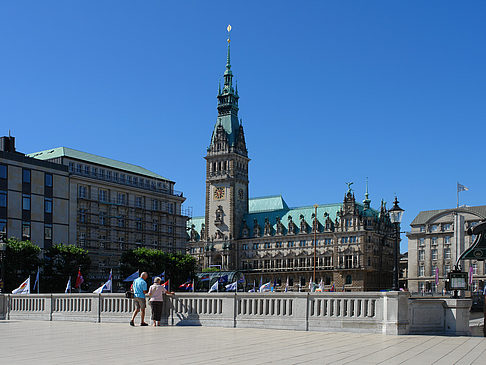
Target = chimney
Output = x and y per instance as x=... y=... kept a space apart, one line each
x=7 y=144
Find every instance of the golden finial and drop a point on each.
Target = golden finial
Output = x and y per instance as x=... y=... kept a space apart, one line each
x=228 y=28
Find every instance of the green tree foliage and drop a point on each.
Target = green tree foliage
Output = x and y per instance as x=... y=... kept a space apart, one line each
x=211 y=269
x=22 y=259
x=178 y=267
x=62 y=262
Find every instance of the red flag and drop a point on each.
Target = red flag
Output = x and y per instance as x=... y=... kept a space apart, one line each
x=79 y=280
x=166 y=285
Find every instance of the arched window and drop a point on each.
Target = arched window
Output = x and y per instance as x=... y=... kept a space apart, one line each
x=349 y=280
x=328 y=280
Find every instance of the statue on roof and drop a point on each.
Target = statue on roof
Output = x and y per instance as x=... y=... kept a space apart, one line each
x=349 y=187
x=256 y=228
x=193 y=233
x=268 y=228
x=280 y=226
x=291 y=229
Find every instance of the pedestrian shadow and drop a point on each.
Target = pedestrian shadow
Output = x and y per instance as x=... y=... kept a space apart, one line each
x=182 y=312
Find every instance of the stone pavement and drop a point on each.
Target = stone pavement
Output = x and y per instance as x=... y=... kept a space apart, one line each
x=31 y=342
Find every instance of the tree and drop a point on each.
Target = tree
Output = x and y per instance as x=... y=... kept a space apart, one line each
x=62 y=262
x=22 y=259
x=177 y=267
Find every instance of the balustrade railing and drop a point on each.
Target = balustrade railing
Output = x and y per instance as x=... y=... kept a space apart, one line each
x=375 y=312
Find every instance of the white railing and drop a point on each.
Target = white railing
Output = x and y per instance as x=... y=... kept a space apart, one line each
x=372 y=312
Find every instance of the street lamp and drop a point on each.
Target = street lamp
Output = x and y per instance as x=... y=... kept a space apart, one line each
x=396 y=214
x=3 y=248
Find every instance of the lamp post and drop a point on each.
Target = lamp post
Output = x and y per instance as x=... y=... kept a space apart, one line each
x=314 y=225
x=396 y=214
x=3 y=249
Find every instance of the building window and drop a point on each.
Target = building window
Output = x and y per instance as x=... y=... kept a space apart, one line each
x=422 y=228
x=48 y=231
x=108 y=175
x=135 y=181
x=3 y=226
x=255 y=246
x=433 y=241
x=278 y=245
x=138 y=224
x=349 y=280
x=447 y=240
x=422 y=241
x=86 y=169
x=421 y=287
x=138 y=202
x=447 y=269
x=25 y=202
x=26 y=176
x=102 y=174
x=82 y=238
x=421 y=271
x=25 y=230
x=121 y=222
x=327 y=241
x=244 y=247
x=115 y=176
x=102 y=218
x=446 y=227
x=3 y=198
x=475 y=268
x=121 y=198
x=78 y=168
x=71 y=167
x=122 y=178
x=344 y=239
x=3 y=171
x=421 y=255
x=171 y=208
x=302 y=243
x=327 y=261
x=447 y=253
x=82 y=192
x=348 y=261
x=82 y=215
x=352 y=239
x=155 y=204
x=291 y=244
x=434 y=228
x=155 y=225
x=129 y=180
x=47 y=205
x=103 y=196
x=433 y=253
x=48 y=180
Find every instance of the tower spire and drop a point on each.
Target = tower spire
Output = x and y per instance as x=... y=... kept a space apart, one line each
x=228 y=58
x=367 y=201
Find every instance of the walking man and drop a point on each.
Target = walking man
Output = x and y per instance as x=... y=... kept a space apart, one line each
x=139 y=291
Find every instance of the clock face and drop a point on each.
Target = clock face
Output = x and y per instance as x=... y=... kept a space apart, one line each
x=219 y=193
x=241 y=194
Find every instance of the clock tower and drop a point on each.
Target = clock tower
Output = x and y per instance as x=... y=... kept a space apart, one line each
x=226 y=178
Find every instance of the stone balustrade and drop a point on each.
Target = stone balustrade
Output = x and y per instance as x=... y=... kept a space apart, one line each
x=391 y=313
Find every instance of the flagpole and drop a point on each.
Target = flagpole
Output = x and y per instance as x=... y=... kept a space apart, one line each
x=457 y=188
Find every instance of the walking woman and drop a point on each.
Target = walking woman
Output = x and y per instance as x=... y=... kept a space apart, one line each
x=156 y=293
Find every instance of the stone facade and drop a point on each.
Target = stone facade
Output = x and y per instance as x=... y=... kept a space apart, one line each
x=115 y=207
x=269 y=241
x=34 y=197
x=437 y=238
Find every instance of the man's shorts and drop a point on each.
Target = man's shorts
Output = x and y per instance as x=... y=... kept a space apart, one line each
x=139 y=303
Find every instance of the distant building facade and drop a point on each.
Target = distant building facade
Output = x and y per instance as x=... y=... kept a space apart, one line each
x=116 y=206
x=437 y=238
x=34 y=197
x=269 y=241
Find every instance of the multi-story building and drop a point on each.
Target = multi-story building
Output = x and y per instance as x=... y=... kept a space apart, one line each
x=116 y=206
x=435 y=242
x=34 y=197
x=266 y=239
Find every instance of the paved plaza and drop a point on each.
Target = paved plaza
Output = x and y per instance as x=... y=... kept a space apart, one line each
x=32 y=342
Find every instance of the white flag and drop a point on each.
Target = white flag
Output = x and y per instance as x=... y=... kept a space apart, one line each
x=24 y=288
x=214 y=287
x=232 y=286
x=105 y=286
x=265 y=287
x=68 y=286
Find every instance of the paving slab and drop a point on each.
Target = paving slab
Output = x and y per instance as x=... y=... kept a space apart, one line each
x=35 y=342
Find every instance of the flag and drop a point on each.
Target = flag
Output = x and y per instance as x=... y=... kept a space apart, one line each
x=232 y=286
x=242 y=278
x=68 y=286
x=333 y=288
x=24 y=288
x=223 y=279
x=261 y=282
x=205 y=277
x=36 y=283
x=132 y=277
x=436 y=276
x=109 y=283
x=79 y=280
x=166 y=285
x=161 y=276
x=101 y=288
x=187 y=285
x=287 y=285
x=321 y=285
x=265 y=287
x=470 y=275
x=461 y=187
x=214 y=287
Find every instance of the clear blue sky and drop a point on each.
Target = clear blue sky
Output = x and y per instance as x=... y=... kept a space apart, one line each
x=331 y=91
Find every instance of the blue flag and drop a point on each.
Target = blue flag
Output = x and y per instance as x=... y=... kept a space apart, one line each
x=133 y=276
x=232 y=286
x=36 y=283
x=223 y=279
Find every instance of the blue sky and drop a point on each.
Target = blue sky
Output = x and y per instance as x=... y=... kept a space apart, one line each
x=331 y=91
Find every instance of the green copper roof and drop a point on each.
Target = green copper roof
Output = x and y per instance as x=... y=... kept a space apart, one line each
x=88 y=157
x=230 y=125
x=267 y=203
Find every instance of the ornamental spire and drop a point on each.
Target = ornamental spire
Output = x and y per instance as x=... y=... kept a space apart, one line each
x=228 y=58
x=367 y=201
